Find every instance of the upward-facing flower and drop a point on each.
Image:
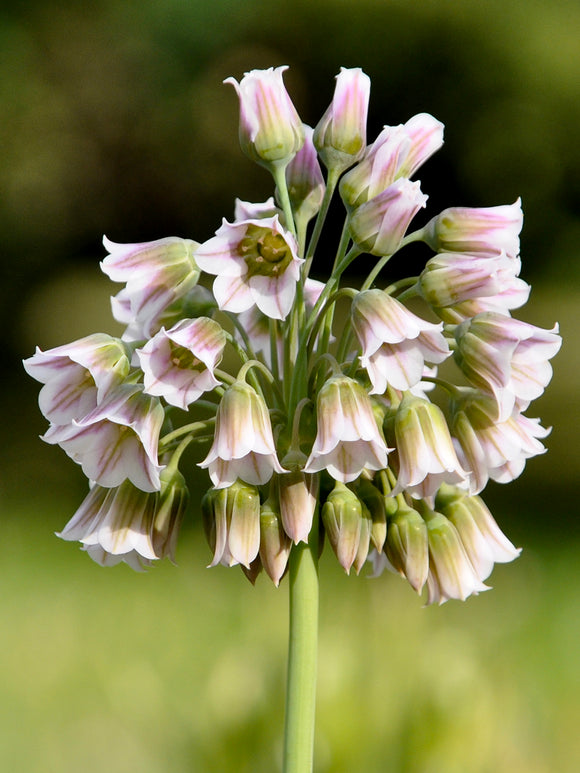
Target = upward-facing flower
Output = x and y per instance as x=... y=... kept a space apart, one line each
x=243 y=445
x=156 y=274
x=348 y=439
x=395 y=342
x=270 y=128
x=340 y=135
x=76 y=376
x=256 y=263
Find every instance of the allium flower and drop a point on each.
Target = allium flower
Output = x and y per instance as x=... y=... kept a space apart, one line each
x=247 y=210
x=425 y=449
x=156 y=274
x=275 y=544
x=379 y=225
x=77 y=375
x=231 y=517
x=395 y=342
x=243 y=445
x=487 y=231
x=117 y=440
x=492 y=448
x=348 y=439
x=256 y=263
x=397 y=152
x=347 y=523
x=340 y=135
x=178 y=364
x=506 y=357
x=407 y=546
x=270 y=128
x=460 y=286
x=298 y=494
x=305 y=181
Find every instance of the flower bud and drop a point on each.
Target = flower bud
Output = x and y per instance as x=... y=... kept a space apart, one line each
x=171 y=505
x=231 y=519
x=275 y=544
x=407 y=547
x=379 y=225
x=270 y=128
x=305 y=181
x=298 y=492
x=340 y=136
x=375 y=502
x=342 y=516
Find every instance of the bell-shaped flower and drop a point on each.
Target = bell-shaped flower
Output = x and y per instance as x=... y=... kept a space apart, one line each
x=395 y=342
x=76 y=376
x=117 y=440
x=378 y=225
x=425 y=448
x=156 y=274
x=347 y=524
x=490 y=447
x=451 y=279
x=340 y=135
x=485 y=230
x=243 y=445
x=506 y=357
x=178 y=363
x=298 y=495
x=231 y=519
x=275 y=544
x=483 y=540
x=397 y=152
x=270 y=128
x=348 y=439
x=130 y=525
x=451 y=573
x=305 y=181
x=407 y=546
x=256 y=263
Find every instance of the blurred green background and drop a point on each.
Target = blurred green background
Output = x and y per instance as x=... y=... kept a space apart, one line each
x=114 y=120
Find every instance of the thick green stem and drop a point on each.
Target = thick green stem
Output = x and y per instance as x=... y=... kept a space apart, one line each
x=302 y=656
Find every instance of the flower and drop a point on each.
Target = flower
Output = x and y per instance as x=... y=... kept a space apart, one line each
x=378 y=225
x=425 y=449
x=298 y=494
x=348 y=439
x=275 y=544
x=76 y=376
x=270 y=128
x=506 y=357
x=484 y=230
x=397 y=152
x=347 y=524
x=243 y=445
x=459 y=286
x=178 y=363
x=231 y=517
x=117 y=440
x=305 y=181
x=256 y=263
x=156 y=274
x=407 y=546
x=340 y=135
x=395 y=342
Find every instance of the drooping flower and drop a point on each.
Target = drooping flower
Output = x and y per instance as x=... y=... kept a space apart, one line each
x=347 y=524
x=395 y=342
x=297 y=494
x=270 y=128
x=256 y=263
x=117 y=440
x=231 y=517
x=340 y=135
x=243 y=445
x=484 y=230
x=506 y=357
x=425 y=449
x=156 y=274
x=275 y=543
x=348 y=439
x=178 y=363
x=76 y=376
x=378 y=225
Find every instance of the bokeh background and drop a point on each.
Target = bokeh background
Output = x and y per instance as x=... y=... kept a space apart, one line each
x=114 y=120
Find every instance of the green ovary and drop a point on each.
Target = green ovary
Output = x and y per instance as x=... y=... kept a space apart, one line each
x=266 y=253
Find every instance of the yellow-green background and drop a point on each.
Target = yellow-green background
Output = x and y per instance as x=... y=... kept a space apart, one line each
x=113 y=120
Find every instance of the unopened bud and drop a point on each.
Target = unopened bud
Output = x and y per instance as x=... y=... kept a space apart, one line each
x=231 y=518
x=275 y=544
x=375 y=502
x=298 y=492
x=407 y=547
x=342 y=516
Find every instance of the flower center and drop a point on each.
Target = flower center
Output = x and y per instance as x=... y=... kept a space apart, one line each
x=265 y=252
x=183 y=358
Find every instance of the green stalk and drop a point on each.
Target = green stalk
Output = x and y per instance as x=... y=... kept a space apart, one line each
x=302 y=656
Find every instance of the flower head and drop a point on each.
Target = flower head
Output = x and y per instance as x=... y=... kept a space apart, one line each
x=270 y=128
x=256 y=264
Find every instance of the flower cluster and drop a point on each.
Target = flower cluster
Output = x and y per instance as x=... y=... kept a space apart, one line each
x=321 y=422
